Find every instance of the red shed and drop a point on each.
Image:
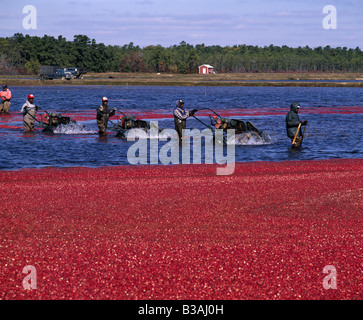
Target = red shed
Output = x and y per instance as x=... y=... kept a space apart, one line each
x=206 y=69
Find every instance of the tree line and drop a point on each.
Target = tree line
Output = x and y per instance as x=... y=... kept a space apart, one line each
x=24 y=54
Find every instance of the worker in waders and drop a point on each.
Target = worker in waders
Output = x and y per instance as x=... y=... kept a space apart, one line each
x=5 y=95
x=103 y=113
x=29 y=110
x=180 y=118
x=293 y=124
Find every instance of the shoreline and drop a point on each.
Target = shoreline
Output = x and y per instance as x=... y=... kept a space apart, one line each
x=128 y=233
x=242 y=79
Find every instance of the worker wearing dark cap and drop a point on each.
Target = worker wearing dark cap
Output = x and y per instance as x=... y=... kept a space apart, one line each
x=180 y=118
x=292 y=124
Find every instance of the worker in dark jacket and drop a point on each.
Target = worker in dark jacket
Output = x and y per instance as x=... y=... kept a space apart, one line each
x=292 y=123
x=180 y=117
x=103 y=113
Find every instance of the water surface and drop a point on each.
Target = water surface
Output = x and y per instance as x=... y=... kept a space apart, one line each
x=334 y=115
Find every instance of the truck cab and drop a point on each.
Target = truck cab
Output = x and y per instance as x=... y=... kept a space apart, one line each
x=64 y=74
x=77 y=72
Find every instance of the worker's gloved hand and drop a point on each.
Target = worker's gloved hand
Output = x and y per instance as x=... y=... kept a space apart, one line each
x=36 y=108
x=305 y=122
x=191 y=113
x=100 y=108
x=114 y=109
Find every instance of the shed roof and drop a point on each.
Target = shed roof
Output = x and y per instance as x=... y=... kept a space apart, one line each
x=206 y=65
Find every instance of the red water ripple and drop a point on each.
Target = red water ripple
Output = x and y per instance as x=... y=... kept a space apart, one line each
x=182 y=232
x=88 y=115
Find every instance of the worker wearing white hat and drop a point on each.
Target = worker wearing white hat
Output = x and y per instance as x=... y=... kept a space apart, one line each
x=103 y=113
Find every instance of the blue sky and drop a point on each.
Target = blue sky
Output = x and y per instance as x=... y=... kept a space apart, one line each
x=212 y=22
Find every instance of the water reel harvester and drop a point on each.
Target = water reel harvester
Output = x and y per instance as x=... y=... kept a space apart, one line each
x=244 y=130
x=50 y=121
x=127 y=122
